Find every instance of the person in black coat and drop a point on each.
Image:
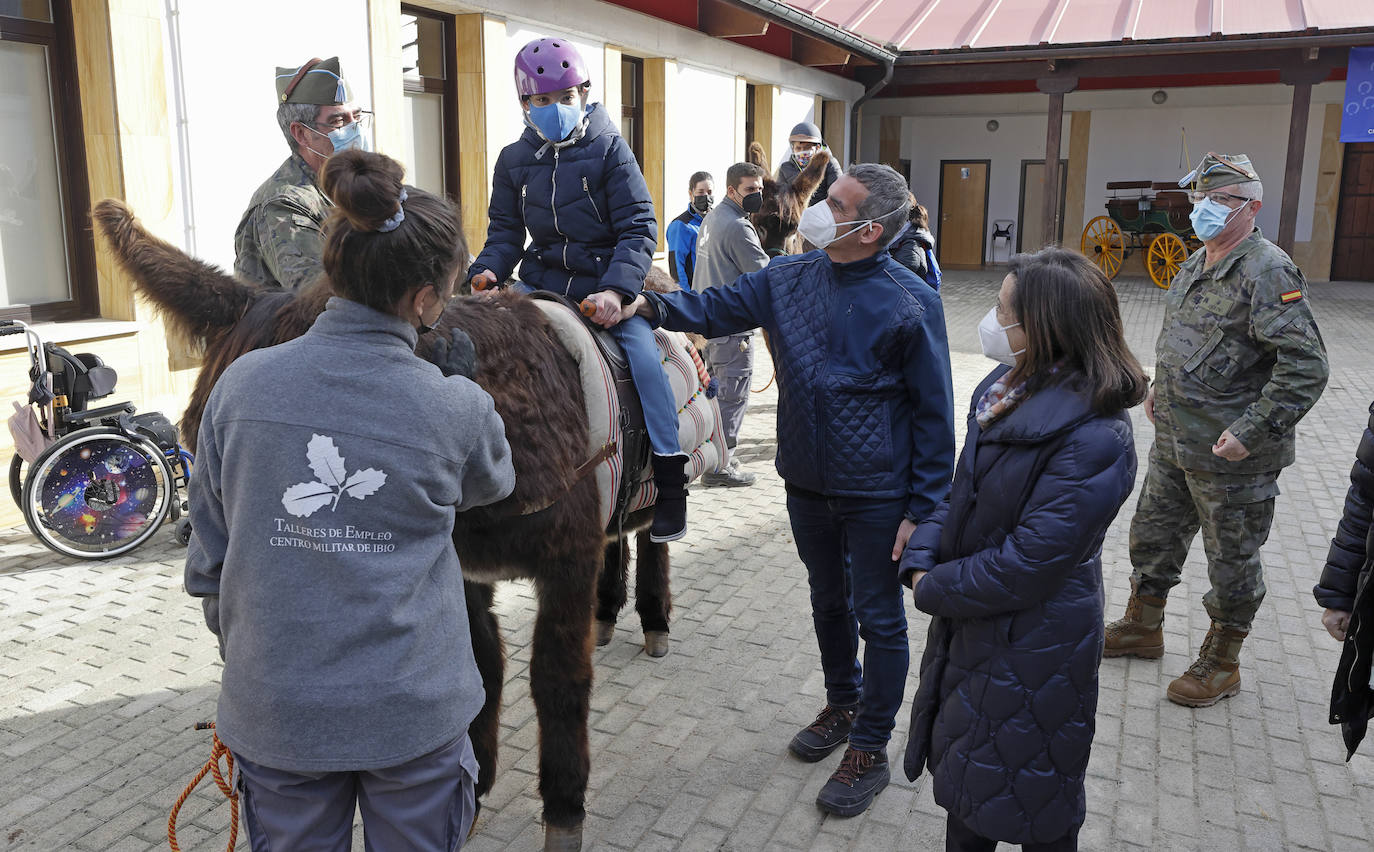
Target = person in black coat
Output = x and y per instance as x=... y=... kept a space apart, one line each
x=914 y=246
x=1010 y=565
x=1344 y=592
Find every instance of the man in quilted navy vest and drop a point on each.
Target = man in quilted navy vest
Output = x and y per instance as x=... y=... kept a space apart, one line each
x=865 y=446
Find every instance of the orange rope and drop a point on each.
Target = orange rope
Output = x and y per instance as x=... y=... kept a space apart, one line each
x=211 y=766
x=767 y=386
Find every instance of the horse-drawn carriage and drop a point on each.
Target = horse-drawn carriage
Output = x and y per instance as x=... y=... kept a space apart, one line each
x=1142 y=215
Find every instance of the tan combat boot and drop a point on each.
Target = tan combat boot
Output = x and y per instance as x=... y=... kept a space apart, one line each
x=1141 y=632
x=1216 y=674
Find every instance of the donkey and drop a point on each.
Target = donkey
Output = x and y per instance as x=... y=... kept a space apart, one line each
x=783 y=203
x=549 y=529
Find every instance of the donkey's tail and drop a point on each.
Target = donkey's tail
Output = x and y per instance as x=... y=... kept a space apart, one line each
x=198 y=300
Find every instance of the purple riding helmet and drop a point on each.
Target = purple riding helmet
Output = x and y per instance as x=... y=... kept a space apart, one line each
x=548 y=65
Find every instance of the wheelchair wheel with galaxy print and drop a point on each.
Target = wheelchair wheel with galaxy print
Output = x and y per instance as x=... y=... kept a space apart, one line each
x=97 y=493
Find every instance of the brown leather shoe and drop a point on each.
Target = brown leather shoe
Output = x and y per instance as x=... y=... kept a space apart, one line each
x=1216 y=674
x=1140 y=633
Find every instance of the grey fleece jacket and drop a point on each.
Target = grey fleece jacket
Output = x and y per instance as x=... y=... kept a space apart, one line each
x=727 y=247
x=323 y=495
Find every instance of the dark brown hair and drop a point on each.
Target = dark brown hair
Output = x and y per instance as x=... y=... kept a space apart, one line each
x=918 y=216
x=1071 y=317
x=379 y=268
x=736 y=174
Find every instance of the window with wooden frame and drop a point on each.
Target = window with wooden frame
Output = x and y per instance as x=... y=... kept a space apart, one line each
x=429 y=64
x=632 y=105
x=47 y=257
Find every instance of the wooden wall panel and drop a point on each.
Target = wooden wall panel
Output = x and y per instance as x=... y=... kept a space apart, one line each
x=890 y=141
x=834 y=112
x=388 y=94
x=657 y=72
x=1076 y=186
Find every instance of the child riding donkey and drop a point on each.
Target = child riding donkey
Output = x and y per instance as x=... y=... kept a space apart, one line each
x=571 y=182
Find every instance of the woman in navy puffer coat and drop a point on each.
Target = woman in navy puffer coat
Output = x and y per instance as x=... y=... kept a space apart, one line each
x=1348 y=596
x=1010 y=564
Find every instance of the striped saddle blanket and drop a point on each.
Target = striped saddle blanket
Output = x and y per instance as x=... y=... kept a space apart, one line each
x=624 y=480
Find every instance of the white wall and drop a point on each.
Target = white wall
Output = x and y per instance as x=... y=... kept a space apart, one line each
x=1136 y=144
x=929 y=139
x=790 y=109
x=705 y=134
x=1131 y=139
x=226 y=67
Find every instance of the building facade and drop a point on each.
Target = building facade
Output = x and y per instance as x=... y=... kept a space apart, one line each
x=169 y=105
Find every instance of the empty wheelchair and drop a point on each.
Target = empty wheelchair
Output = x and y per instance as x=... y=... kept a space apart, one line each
x=91 y=482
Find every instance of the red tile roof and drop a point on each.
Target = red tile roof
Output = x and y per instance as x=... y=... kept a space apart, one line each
x=932 y=25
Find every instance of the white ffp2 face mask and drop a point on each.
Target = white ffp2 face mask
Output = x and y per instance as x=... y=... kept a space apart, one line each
x=993 y=337
x=818 y=224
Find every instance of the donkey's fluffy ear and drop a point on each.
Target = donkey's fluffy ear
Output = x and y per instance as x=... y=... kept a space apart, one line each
x=758 y=157
x=807 y=181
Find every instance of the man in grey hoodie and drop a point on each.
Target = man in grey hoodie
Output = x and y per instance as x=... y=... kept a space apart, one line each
x=728 y=247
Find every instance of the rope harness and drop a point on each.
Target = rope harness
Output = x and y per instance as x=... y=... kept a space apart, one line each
x=211 y=767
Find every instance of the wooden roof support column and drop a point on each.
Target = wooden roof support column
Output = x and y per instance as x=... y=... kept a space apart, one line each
x=1056 y=88
x=1301 y=79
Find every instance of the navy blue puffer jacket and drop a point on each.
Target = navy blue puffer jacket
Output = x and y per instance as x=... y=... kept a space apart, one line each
x=865 y=405
x=1004 y=714
x=587 y=210
x=1345 y=585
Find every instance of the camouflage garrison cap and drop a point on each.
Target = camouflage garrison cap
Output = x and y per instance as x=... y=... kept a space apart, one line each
x=316 y=82
x=1219 y=170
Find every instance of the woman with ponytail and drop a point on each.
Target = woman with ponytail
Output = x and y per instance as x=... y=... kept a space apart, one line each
x=327 y=475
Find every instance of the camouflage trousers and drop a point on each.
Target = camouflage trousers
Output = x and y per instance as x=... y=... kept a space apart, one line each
x=1234 y=513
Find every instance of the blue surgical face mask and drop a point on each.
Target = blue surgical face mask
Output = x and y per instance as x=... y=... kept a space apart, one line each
x=556 y=121
x=348 y=136
x=1210 y=218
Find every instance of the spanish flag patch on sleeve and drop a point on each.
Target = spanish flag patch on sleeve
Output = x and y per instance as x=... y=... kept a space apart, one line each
x=1291 y=296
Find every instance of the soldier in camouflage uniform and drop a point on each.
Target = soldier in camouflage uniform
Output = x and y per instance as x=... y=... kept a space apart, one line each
x=278 y=241
x=1238 y=362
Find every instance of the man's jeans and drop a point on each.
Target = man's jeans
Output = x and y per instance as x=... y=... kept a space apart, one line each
x=846 y=544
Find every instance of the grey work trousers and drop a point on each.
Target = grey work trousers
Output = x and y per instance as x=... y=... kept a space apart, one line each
x=730 y=361
x=427 y=804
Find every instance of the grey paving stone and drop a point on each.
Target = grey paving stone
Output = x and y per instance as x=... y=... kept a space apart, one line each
x=105 y=668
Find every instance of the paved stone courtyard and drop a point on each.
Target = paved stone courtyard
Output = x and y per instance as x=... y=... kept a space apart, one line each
x=105 y=667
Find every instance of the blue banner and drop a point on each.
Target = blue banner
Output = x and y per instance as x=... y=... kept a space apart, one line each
x=1357 y=121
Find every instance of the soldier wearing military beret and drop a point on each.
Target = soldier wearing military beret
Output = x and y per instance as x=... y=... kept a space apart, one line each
x=1238 y=362
x=278 y=241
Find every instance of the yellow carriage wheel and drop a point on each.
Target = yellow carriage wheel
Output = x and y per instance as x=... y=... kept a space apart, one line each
x=1103 y=244
x=1167 y=253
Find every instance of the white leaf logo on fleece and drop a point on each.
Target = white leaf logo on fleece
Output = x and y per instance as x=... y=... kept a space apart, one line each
x=306 y=498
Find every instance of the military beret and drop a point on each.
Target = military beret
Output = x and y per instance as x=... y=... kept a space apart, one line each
x=316 y=82
x=1219 y=170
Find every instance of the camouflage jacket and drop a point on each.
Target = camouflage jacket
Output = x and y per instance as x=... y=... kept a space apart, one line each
x=1239 y=350
x=278 y=241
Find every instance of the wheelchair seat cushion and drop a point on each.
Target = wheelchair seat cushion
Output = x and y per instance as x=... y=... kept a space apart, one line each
x=81 y=377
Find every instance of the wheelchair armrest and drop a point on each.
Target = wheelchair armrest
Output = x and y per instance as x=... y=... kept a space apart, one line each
x=75 y=417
